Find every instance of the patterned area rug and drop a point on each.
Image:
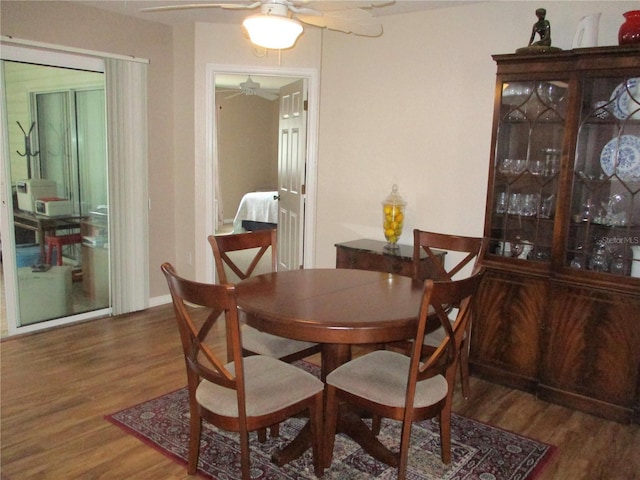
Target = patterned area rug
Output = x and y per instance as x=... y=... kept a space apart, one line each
x=478 y=451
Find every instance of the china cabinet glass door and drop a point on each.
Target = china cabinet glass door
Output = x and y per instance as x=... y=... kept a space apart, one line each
x=604 y=232
x=527 y=167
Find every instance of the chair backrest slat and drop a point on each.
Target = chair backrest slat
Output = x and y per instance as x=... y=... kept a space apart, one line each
x=425 y=241
x=438 y=295
x=260 y=239
x=192 y=301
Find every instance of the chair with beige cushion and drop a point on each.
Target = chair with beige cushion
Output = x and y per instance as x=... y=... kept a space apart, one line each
x=254 y=245
x=246 y=394
x=469 y=251
x=412 y=388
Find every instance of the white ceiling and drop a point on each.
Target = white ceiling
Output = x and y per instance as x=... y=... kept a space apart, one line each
x=271 y=83
x=219 y=15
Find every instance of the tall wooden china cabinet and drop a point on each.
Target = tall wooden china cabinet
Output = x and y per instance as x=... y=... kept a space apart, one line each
x=559 y=312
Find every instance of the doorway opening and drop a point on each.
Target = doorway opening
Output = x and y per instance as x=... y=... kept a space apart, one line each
x=221 y=216
x=247 y=146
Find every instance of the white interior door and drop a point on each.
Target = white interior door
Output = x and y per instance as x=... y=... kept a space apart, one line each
x=291 y=174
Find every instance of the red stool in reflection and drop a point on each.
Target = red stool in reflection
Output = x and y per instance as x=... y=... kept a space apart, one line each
x=58 y=242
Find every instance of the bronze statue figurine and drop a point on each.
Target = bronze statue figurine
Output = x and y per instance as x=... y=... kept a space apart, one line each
x=542 y=28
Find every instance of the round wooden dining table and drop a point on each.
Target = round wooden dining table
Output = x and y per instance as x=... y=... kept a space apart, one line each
x=336 y=308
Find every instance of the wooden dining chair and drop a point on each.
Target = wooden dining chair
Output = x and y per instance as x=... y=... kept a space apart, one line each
x=470 y=248
x=255 y=245
x=247 y=394
x=469 y=251
x=390 y=384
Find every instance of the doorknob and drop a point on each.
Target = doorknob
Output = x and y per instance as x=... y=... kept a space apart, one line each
x=276 y=197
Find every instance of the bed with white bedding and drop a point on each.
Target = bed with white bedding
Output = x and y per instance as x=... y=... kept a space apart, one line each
x=256 y=210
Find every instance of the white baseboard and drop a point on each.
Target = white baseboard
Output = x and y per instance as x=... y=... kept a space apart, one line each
x=161 y=300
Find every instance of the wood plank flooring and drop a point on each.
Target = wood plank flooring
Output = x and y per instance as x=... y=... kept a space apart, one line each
x=58 y=385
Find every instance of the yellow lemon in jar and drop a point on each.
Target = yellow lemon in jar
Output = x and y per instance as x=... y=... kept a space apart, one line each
x=399 y=217
x=389 y=232
x=387 y=209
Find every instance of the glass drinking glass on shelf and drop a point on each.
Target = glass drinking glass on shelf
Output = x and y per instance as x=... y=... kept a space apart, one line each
x=552 y=94
x=599 y=261
x=617 y=265
x=546 y=206
x=586 y=213
x=552 y=161
x=577 y=261
x=615 y=210
x=616 y=252
x=505 y=166
x=529 y=204
x=513 y=207
x=536 y=167
x=512 y=166
x=501 y=203
x=518 y=166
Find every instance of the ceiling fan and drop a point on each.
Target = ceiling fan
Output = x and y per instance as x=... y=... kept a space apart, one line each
x=350 y=16
x=251 y=88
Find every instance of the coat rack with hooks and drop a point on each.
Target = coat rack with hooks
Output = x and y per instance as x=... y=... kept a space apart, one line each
x=27 y=147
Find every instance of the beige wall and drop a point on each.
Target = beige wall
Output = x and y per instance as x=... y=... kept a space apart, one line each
x=412 y=107
x=247 y=147
x=77 y=26
x=184 y=179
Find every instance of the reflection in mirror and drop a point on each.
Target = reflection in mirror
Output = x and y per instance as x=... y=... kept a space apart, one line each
x=58 y=165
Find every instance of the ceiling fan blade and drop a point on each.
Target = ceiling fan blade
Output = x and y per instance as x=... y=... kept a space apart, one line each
x=267 y=95
x=191 y=6
x=359 y=22
x=336 y=5
x=304 y=10
x=237 y=94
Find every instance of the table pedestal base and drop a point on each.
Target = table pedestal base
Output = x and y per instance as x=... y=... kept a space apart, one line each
x=349 y=423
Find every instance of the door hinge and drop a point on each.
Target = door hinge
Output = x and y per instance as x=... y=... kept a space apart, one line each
x=306 y=106
x=303 y=189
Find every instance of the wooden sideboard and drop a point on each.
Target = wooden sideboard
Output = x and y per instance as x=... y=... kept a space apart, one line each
x=367 y=254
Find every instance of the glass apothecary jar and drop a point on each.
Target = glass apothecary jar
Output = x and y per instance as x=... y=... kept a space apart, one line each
x=393 y=215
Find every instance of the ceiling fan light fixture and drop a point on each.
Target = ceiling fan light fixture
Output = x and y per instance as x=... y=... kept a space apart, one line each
x=272 y=31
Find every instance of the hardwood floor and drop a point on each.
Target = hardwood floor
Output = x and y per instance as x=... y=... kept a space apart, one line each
x=58 y=385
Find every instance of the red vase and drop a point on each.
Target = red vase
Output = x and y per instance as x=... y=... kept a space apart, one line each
x=630 y=30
